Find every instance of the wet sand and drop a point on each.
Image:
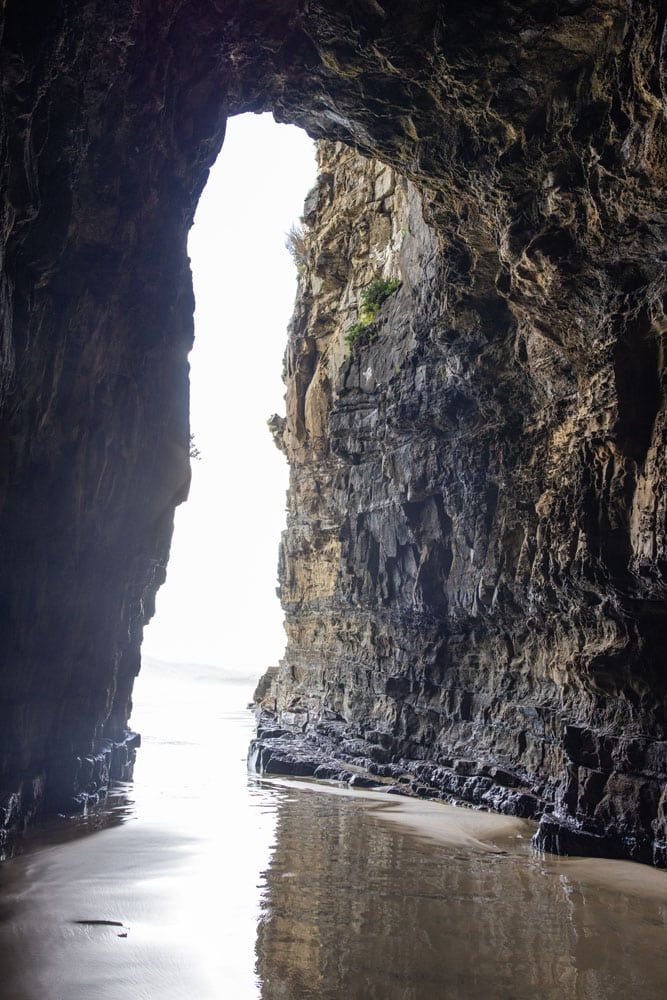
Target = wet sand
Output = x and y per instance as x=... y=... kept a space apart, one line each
x=414 y=900
x=228 y=886
x=177 y=861
x=446 y=824
x=454 y=826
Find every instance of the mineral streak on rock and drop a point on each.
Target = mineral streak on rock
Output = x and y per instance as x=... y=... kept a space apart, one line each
x=474 y=568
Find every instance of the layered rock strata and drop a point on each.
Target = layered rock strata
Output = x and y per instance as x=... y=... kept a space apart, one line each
x=497 y=585
x=463 y=572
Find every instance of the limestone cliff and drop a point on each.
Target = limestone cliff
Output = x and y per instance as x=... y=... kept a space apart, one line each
x=481 y=579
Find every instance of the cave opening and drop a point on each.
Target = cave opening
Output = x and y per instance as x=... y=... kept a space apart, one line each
x=479 y=610
x=218 y=605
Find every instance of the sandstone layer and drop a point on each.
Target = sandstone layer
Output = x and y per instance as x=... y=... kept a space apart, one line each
x=481 y=578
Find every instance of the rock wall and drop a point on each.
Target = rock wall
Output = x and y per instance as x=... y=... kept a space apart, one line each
x=525 y=423
x=469 y=606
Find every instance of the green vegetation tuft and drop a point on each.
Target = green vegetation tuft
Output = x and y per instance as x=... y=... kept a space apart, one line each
x=379 y=290
x=358 y=335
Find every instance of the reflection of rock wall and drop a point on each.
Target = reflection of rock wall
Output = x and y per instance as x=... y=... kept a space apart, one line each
x=462 y=573
x=356 y=907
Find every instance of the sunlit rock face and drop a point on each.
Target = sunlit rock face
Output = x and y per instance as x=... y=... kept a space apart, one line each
x=473 y=572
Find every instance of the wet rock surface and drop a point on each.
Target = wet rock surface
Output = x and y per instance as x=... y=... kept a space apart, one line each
x=330 y=752
x=67 y=786
x=475 y=561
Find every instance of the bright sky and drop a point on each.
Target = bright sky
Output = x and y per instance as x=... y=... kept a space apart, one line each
x=218 y=605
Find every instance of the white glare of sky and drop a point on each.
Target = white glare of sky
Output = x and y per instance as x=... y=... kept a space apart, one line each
x=218 y=605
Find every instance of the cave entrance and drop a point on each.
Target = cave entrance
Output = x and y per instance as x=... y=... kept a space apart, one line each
x=219 y=605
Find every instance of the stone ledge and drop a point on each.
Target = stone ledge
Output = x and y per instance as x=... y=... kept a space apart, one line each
x=338 y=755
x=330 y=752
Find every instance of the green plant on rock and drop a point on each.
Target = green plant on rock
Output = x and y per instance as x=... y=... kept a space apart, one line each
x=358 y=335
x=379 y=290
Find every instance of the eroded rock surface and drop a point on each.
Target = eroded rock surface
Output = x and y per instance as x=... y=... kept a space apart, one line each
x=482 y=574
x=468 y=613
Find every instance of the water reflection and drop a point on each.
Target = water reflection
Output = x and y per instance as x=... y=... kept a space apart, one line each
x=358 y=907
x=176 y=861
x=230 y=888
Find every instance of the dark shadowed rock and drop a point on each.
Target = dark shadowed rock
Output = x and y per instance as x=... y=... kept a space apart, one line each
x=474 y=564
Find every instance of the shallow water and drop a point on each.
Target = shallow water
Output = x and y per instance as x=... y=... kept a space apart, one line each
x=230 y=887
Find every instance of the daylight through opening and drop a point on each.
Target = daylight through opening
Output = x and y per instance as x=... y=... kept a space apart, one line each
x=219 y=604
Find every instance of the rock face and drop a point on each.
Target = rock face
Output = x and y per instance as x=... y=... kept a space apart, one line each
x=473 y=572
x=465 y=589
